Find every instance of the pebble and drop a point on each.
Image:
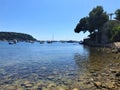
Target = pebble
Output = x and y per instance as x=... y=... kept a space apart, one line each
x=98 y=84
x=50 y=77
x=11 y=88
x=106 y=79
x=39 y=88
x=113 y=70
x=60 y=88
x=117 y=74
x=110 y=85
x=28 y=85
x=75 y=88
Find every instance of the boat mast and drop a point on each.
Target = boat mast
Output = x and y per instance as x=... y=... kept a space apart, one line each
x=53 y=37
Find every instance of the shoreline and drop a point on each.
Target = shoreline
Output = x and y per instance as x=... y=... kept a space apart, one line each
x=111 y=47
x=107 y=79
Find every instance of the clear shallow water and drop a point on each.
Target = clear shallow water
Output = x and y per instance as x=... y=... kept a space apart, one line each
x=48 y=63
x=44 y=61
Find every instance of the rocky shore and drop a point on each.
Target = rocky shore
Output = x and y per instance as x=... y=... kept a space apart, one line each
x=95 y=78
x=106 y=79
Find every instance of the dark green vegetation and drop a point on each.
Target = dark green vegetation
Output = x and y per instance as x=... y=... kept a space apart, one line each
x=15 y=36
x=115 y=32
x=117 y=13
x=97 y=17
x=101 y=29
x=112 y=30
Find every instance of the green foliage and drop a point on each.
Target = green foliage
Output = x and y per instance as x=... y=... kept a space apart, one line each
x=115 y=33
x=117 y=13
x=99 y=26
x=109 y=26
x=97 y=17
x=17 y=36
x=82 y=25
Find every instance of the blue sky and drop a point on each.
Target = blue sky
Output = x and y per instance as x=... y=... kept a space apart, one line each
x=45 y=18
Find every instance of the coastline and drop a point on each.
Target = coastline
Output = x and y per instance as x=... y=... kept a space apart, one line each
x=107 y=79
x=113 y=47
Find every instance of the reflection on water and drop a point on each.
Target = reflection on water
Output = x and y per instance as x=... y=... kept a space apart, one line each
x=56 y=63
x=99 y=59
x=81 y=60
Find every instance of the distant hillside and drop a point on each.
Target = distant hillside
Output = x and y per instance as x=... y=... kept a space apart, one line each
x=16 y=36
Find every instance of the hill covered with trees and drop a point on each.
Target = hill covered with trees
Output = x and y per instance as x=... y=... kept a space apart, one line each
x=16 y=36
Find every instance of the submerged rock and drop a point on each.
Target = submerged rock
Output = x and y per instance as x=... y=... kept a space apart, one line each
x=114 y=51
x=60 y=88
x=50 y=77
x=117 y=74
x=98 y=84
x=39 y=88
x=110 y=85
x=11 y=88
x=75 y=89
x=29 y=85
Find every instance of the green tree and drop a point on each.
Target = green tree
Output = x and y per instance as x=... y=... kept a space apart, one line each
x=82 y=25
x=117 y=13
x=115 y=33
x=97 y=17
x=18 y=36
